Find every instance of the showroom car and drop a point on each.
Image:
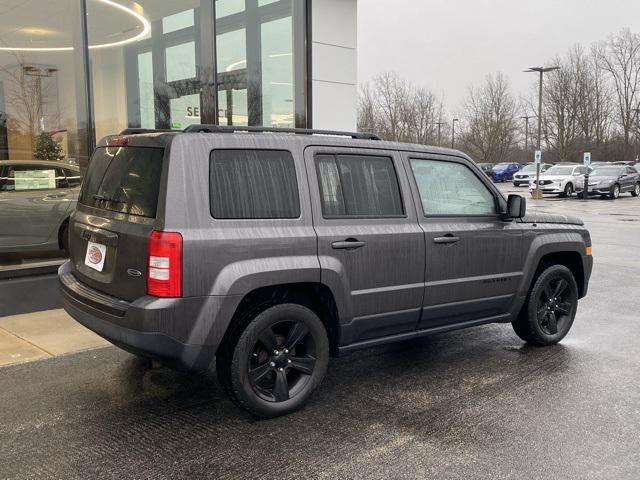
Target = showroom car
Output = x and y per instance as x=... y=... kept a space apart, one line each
x=612 y=181
x=561 y=179
x=528 y=173
x=45 y=194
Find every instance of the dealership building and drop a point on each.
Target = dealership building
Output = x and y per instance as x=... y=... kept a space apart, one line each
x=73 y=71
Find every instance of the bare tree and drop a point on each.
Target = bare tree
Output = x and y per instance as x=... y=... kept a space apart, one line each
x=398 y=110
x=490 y=119
x=619 y=57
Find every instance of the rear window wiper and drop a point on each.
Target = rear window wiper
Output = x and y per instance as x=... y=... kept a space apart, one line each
x=104 y=198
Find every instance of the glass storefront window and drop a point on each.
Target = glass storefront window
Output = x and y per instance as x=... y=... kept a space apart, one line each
x=43 y=128
x=156 y=64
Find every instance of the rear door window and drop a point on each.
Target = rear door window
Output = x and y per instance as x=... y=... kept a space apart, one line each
x=124 y=180
x=253 y=184
x=358 y=186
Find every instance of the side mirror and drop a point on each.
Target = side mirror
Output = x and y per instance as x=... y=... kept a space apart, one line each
x=516 y=206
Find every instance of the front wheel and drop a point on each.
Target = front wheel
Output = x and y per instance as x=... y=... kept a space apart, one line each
x=550 y=309
x=568 y=190
x=277 y=361
x=636 y=190
x=615 y=192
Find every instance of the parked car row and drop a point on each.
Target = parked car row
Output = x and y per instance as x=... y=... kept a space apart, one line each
x=608 y=179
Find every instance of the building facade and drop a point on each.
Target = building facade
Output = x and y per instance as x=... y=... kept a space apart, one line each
x=73 y=71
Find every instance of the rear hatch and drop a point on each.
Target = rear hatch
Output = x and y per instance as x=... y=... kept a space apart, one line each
x=116 y=213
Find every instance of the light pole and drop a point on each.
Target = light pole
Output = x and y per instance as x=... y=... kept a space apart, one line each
x=526 y=135
x=541 y=70
x=439 y=126
x=635 y=146
x=453 y=132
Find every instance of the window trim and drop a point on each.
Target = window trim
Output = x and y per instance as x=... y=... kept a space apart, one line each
x=254 y=219
x=460 y=161
x=387 y=154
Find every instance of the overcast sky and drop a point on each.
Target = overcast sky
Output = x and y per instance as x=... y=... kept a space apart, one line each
x=447 y=45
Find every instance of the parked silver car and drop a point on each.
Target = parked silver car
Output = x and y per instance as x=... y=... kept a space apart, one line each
x=36 y=199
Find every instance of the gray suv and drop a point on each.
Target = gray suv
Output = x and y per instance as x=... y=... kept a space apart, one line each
x=273 y=250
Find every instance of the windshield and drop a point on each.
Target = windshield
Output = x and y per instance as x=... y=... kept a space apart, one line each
x=528 y=168
x=124 y=180
x=606 y=172
x=559 y=171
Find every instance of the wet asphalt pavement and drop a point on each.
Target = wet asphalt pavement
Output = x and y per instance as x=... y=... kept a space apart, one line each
x=476 y=403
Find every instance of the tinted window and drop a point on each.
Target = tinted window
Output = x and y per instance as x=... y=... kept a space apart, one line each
x=31 y=177
x=125 y=180
x=358 y=185
x=448 y=188
x=248 y=184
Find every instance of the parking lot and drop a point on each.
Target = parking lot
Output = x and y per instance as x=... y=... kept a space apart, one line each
x=476 y=403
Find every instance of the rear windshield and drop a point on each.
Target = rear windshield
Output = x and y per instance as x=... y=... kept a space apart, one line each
x=124 y=180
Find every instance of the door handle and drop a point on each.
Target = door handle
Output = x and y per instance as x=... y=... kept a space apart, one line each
x=449 y=238
x=348 y=244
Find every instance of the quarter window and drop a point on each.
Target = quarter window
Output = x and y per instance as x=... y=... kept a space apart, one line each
x=253 y=184
x=358 y=186
x=450 y=188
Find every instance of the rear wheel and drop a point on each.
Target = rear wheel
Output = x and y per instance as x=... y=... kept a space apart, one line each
x=636 y=190
x=550 y=309
x=276 y=362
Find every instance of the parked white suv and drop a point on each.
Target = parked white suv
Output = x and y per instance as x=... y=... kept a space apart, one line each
x=560 y=179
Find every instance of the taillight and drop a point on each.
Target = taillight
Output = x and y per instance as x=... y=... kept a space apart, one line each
x=164 y=264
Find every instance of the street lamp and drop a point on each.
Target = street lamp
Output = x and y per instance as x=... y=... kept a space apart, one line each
x=439 y=126
x=541 y=70
x=453 y=132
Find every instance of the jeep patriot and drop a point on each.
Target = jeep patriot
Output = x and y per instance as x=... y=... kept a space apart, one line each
x=270 y=250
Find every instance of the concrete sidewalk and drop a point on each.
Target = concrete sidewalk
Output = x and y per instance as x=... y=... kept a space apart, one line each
x=34 y=336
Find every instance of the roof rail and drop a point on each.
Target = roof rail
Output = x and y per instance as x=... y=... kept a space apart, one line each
x=299 y=131
x=140 y=131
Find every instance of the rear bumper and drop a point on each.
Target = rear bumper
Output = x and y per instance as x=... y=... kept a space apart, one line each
x=137 y=326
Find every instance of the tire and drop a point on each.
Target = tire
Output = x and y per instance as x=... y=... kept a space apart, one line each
x=636 y=190
x=550 y=309
x=286 y=349
x=568 y=190
x=615 y=192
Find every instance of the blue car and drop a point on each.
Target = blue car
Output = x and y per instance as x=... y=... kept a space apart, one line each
x=503 y=172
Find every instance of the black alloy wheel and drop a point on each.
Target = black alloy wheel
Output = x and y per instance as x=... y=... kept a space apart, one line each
x=273 y=365
x=554 y=305
x=550 y=309
x=282 y=361
x=636 y=190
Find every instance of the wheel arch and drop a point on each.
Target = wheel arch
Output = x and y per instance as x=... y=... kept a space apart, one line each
x=63 y=225
x=314 y=295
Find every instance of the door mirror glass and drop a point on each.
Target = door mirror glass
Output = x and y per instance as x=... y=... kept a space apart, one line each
x=516 y=206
